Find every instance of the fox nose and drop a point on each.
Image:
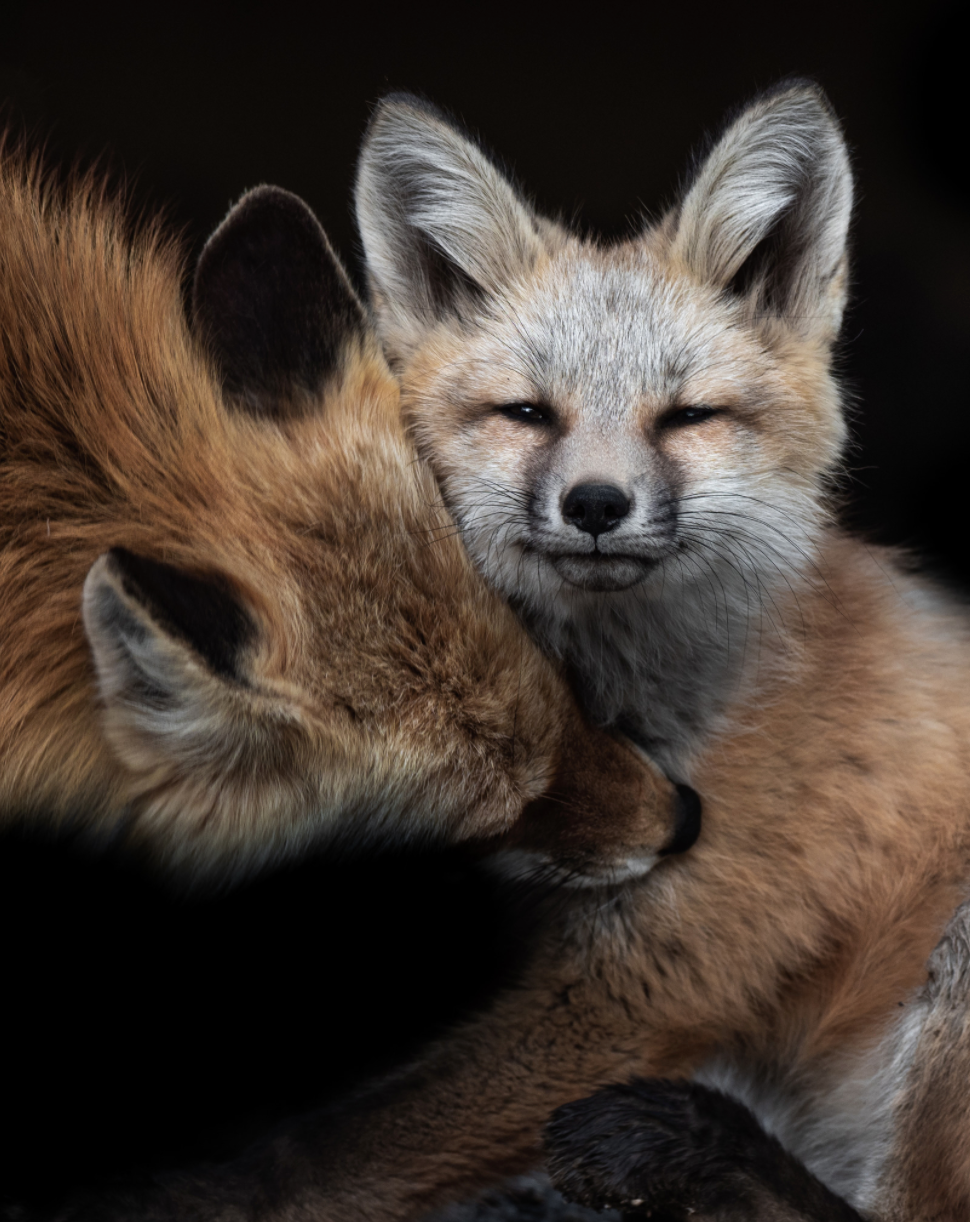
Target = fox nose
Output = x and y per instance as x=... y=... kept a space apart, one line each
x=595 y=508
x=687 y=827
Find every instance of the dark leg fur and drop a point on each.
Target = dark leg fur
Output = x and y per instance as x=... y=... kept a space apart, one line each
x=673 y=1150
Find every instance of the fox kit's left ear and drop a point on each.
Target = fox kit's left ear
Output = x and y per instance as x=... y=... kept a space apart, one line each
x=443 y=229
x=768 y=212
x=275 y=305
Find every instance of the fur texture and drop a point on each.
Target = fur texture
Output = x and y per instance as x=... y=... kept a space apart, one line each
x=688 y=368
x=810 y=687
x=280 y=637
x=679 y=1149
x=814 y=691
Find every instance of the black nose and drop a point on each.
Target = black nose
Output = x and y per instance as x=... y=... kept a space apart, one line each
x=688 y=825
x=595 y=508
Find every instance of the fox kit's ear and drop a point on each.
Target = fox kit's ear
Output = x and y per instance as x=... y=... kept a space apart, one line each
x=442 y=227
x=168 y=648
x=767 y=214
x=274 y=304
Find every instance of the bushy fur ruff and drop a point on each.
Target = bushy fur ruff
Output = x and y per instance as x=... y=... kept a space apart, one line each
x=280 y=637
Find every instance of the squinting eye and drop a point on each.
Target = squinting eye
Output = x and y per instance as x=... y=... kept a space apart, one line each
x=525 y=413
x=683 y=416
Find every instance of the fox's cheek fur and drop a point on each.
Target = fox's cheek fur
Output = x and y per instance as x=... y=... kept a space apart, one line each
x=269 y=651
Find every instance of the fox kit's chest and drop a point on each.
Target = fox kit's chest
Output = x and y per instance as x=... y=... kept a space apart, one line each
x=653 y=669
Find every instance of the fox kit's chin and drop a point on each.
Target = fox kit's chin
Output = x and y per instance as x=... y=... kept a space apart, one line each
x=602 y=574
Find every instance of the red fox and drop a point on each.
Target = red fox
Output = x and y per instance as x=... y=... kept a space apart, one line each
x=225 y=631
x=637 y=443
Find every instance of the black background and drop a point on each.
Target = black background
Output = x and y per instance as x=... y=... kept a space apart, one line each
x=141 y=1028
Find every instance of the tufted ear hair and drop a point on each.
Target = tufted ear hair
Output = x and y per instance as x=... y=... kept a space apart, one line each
x=442 y=227
x=275 y=305
x=767 y=214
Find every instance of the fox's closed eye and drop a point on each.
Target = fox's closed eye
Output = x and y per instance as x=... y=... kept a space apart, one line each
x=525 y=413
x=682 y=417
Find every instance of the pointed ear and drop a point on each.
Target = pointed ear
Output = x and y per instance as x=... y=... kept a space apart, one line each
x=274 y=304
x=166 y=644
x=442 y=227
x=768 y=212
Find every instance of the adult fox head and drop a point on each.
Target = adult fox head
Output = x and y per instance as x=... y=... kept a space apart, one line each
x=613 y=426
x=224 y=627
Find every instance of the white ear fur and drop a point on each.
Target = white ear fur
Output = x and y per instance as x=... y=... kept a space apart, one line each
x=160 y=698
x=441 y=226
x=202 y=749
x=780 y=176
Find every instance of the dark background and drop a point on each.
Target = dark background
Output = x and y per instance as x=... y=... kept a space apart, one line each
x=138 y=1028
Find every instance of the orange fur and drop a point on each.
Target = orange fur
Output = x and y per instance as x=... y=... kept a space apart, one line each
x=387 y=693
x=787 y=950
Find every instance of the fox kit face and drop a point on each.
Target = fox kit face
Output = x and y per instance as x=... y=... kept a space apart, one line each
x=611 y=425
x=629 y=435
x=224 y=625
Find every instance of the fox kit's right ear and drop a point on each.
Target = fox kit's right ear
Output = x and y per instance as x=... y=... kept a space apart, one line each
x=442 y=227
x=275 y=305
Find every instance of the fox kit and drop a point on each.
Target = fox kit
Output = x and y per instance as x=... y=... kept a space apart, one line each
x=223 y=628
x=635 y=443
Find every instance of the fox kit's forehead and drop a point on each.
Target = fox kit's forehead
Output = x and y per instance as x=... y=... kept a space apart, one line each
x=615 y=332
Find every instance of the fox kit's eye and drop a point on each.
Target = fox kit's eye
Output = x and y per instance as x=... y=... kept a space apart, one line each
x=681 y=417
x=525 y=413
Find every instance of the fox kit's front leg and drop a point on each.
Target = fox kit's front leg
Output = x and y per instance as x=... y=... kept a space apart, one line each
x=675 y=1149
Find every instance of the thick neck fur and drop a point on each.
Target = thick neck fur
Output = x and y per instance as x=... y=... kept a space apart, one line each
x=664 y=663
x=714 y=627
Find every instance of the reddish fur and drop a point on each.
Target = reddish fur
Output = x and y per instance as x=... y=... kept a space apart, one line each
x=387 y=686
x=836 y=843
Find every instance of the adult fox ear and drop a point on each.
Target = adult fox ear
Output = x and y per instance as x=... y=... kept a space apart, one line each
x=169 y=650
x=275 y=305
x=767 y=214
x=443 y=229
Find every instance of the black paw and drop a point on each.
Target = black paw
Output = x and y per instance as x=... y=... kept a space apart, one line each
x=669 y=1148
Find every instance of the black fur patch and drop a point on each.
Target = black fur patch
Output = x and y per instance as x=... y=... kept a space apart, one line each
x=675 y=1148
x=274 y=303
x=202 y=611
x=689 y=810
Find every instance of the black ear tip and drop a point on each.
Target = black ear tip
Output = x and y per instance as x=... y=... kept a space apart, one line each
x=262 y=216
x=801 y=88
x=122 y=563
x=268 y=203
